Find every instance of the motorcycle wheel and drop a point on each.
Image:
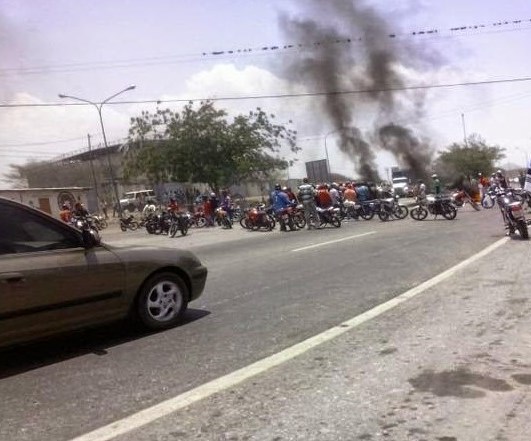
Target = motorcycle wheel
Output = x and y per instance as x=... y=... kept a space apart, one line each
x=133 y=225
x=184 y=230
x=400 y=211
x=335 y=221
x=123 y=227
x=227 y=223
x=300 y=221
x=487 y=202
x=418 y=213
x=173 y=229
x=272 y=221
x=367 y=214
x=383 y=215
x=200 y=222
x=449 y=212
x=522 y=229
x=244 y=223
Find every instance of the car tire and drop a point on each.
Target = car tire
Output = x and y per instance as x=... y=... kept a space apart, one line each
x=162 y=301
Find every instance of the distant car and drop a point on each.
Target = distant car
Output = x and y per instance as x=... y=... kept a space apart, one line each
x=55 y=278
x=135 y=200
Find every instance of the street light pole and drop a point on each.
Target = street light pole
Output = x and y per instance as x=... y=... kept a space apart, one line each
x=99 y=107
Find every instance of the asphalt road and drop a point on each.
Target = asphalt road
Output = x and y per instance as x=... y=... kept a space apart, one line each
x=265 y=292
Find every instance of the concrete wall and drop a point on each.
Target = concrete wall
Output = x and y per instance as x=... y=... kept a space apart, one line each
x=48 y=200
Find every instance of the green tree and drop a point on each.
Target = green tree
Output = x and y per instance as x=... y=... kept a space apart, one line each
x=475 y=157
x=202 y=145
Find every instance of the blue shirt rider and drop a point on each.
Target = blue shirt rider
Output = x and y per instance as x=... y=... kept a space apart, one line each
x=279 y=202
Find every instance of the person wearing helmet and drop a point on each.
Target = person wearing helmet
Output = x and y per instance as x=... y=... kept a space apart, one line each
x=500 y=179
x=436 y=184
x=280 y=202
x=291 y=196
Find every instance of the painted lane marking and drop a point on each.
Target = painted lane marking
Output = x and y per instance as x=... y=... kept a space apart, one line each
x=153 y=413
x=332 y=241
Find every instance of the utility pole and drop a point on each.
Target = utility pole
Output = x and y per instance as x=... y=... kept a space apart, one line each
x=464 y=129
x=93 y=174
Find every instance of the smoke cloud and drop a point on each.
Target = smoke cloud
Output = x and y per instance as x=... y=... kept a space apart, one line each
x=334 y=59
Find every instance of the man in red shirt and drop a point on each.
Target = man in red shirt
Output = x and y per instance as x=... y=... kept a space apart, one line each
x=323 y=198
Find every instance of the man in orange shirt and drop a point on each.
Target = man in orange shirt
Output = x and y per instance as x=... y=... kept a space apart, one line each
x=350 y=194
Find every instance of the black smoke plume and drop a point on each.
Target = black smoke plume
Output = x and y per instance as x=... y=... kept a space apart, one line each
x=371 y=62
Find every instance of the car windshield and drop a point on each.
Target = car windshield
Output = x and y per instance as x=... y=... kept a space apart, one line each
x=314 y=220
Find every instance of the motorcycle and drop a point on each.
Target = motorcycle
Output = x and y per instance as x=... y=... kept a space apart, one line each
x=286 y=217
x=512 y=213
x=329 y=216
x=178 y=222
x=128 y=223
x=99 y=222
x=489 y=198
x=222 y=218
x=436 y=205
x=389 y=208
x=198 y=219
x=461 y=197
x=258 y=217
x=349 y=210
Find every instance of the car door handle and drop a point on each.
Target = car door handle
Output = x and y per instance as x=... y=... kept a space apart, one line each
x=12 y=278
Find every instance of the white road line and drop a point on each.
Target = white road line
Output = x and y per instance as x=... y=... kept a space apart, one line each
x=206 y=390
x=331 y=241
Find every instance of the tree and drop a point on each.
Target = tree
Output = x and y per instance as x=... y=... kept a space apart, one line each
x=202 y=145
x=461 y=160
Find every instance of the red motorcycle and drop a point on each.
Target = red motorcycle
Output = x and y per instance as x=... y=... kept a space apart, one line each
x=258 y=217
x=461 y=197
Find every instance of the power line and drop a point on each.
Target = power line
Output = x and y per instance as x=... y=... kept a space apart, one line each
x=264 y=49
x=287 y=95
x=27 y=144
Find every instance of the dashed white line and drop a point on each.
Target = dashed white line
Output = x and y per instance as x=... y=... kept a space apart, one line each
x=332 y=241
x=146 y=416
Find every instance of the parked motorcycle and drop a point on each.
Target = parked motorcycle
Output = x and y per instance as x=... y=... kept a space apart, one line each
x=389 y=208
x=257 y=217
x=436 y=205
x=512 y=213
x=329 y=216
x=178 y=222
x=128 y=223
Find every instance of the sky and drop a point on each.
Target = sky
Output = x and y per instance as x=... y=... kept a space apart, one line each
x=93 y=49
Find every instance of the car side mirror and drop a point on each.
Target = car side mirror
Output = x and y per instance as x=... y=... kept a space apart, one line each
x=91 y=238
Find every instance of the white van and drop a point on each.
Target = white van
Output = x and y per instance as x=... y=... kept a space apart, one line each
x=135 y=200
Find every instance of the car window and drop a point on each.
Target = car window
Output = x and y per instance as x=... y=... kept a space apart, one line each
x=22 y=231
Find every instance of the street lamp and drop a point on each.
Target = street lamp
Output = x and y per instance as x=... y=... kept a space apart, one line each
x=98 y=107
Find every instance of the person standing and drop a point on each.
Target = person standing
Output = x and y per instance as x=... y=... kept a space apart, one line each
x=307 y=197
x=436 y=184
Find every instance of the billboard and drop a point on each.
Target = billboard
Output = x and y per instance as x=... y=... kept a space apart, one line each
x=317 y=171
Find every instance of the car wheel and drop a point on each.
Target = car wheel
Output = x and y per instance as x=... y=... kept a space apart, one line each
x=162 y=301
